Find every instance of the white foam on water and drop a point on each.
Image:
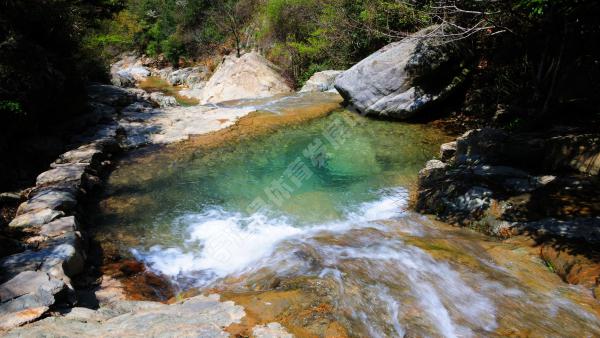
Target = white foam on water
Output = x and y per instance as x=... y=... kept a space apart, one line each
x=221 y=243
x=394 y=311
x=434 y=285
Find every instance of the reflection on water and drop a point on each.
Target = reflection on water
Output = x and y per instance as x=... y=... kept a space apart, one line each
x=314 y=218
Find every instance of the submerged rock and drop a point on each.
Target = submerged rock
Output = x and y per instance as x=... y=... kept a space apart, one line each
x=404 y=77
x=249 y=76
x=321 y=81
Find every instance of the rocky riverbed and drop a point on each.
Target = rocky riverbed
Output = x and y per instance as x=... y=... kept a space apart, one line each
x=50 y=245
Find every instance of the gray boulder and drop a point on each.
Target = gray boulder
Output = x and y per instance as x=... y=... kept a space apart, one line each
x=28 y=282
x=27 y=297
x=163 y=100
x=128 y=71
x=188 y=76
x=404 y=77
x=321 y=81
x=35 y=218
x=87 y=154
x=63 y=261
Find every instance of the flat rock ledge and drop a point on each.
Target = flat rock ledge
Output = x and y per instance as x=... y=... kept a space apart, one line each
x=200 y=316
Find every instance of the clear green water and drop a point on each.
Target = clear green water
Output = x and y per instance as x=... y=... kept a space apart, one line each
x=148 y=196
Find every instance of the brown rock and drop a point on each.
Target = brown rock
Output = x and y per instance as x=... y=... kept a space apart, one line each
x=19 y=318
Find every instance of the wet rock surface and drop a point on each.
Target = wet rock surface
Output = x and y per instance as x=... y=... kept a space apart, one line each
x=511 y=184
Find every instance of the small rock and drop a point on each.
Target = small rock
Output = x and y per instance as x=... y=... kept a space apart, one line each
x=63 y=261
x=474 y=200
x=432 y=168
x=163 y=100
x=498 y=172
x=48 y=199
x=63 y=258
x=480 y=146
x=22 y=284
x=271 y=330
x=18 y=318
x=447 y=151
x=12 y=265
x=28 y=301
x=10 y=197
x=35 y=218
x=87 y=154
x=59 y=226
x=71 y=174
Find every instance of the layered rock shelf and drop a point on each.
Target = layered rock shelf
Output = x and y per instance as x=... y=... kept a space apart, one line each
x=542 y=186
x=39 y=277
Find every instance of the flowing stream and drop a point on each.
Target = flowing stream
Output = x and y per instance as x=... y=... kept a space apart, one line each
x=309 y=225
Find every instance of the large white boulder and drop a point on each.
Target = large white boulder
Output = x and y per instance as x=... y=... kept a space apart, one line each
x=249 y=76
